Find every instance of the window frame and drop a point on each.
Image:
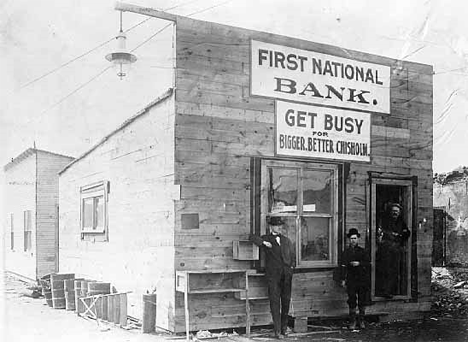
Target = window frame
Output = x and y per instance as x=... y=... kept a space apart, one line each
x=333 y=243
x=27 y=229
x=94 y=191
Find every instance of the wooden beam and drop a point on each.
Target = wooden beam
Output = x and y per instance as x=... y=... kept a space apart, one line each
x=150 y=12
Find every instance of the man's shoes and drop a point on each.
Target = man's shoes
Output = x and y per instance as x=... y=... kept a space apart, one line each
x=360 y=323
x=278 y=336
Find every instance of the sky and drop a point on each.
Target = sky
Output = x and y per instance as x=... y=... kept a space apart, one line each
x=61 y=94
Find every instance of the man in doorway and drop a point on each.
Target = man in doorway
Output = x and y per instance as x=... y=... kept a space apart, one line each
x=280 y=261
x=392 y=235
x=355 y=276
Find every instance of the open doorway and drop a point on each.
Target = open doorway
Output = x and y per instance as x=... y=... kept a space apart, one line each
x=392 y=216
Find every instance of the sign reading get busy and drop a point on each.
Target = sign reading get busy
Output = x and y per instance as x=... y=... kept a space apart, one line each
x=319 y=132
x=306 y=76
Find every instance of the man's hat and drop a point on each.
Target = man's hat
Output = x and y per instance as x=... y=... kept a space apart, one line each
x=353 y=231
x=396 y=205
x=274 y=220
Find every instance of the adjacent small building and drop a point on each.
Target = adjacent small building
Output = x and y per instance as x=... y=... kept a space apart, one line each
x=451 y=212
x=255 y=124
x=31 y=205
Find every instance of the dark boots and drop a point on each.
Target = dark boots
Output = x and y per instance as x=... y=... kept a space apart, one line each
x=352 y=319
x=361 y=321
x=356 y=322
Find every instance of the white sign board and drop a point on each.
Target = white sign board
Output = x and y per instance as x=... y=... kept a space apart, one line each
x=320 y=132
x=306 y=76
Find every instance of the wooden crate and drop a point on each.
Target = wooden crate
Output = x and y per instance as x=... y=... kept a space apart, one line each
x=245 y=250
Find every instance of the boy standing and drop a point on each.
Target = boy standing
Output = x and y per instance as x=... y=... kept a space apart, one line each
x=355 y=275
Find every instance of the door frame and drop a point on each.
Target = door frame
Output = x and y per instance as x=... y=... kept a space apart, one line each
x=409 y=218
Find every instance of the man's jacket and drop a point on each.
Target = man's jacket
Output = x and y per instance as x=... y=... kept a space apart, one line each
x=279 y=257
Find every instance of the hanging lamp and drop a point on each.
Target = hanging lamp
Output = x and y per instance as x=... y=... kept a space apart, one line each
x=121 y=56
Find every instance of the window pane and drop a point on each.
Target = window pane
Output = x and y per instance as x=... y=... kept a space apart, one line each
x=88 y=213
x=317 y=191
x=315 y=238
x=283 y=190
x=99 y=212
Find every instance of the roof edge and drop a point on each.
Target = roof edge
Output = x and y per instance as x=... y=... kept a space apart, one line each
x=159 y=99
x=30 y=151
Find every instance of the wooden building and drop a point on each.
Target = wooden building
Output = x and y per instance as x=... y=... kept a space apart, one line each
x=450 y=218
x=31 y=206
x=255 y=124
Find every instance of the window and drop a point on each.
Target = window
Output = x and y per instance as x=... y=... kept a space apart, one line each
x=305 y=195
x=27 y=230
x=94 y=208
x=12 y=233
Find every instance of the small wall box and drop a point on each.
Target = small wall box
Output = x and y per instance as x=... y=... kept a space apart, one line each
x=244 y=250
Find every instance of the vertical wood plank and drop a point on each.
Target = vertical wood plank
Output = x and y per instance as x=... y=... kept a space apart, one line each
x=123 y=309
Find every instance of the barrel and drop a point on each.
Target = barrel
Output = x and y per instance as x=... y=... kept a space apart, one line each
x=57 y=288
x=48 y=296
x=149 y=313
x=46 y=292
x=69 y=288
x=99 y=288
x=77 y=287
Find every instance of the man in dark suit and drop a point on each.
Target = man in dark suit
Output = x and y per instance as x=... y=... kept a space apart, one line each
x=280 y=261
x=355 y=276
x=392 y=239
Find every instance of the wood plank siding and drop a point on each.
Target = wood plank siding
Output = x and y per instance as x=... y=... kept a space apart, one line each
x=32 y=185
x=137 y=161
x=219 y=127
x=47 y=200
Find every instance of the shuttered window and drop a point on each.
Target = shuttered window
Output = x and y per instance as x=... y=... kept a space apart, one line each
x=94 y=198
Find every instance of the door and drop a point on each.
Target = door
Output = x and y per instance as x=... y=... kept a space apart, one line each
x=390 y=246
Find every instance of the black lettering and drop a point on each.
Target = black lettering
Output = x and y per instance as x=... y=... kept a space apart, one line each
x=292 y=63
x=287 y=83
x=328 y=68
x=279 y=58
x=301 y=116
x=349 y=72
x=311 y=87
x=360 y=74
x=312 y=119
x=359 y=125
x=349 y=125
x=289 y=117
x=317 y=65
x=360 y=95
x=302 y=59
x=261 y=56
x=334 y=91
x=328 y=124
x=377 y=81
x=369 y=76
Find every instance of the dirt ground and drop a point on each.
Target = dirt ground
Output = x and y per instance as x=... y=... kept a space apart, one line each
x=30 y=319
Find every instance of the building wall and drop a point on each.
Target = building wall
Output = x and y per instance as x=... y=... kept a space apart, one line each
x=20 y=195
x=453 y=196
x=219 y=127
x=48 y=167
x=137 y=161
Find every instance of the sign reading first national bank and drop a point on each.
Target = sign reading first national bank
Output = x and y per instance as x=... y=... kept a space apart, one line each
x=306 y=76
